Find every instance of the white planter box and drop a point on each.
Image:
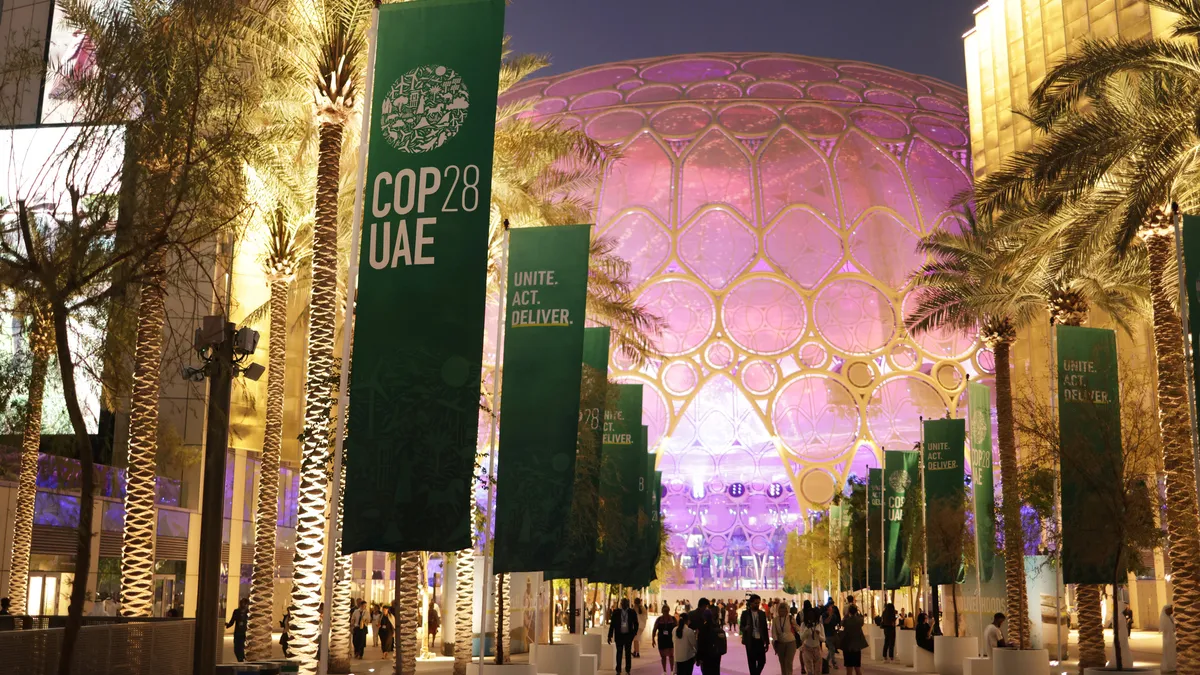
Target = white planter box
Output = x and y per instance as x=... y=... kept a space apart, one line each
x=977 y=665
x=875 y=642
x=949 y=653
x=1020 y=662
x=906 y=646
x=924 y=661
x=508 y=669
x=1134 y=671
x=588 y=664
x=557 y=659
x=591 y=644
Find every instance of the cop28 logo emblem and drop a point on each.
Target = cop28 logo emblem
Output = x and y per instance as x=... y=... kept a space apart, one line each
x=424 y=109
x=898 y=480
x=979 y=432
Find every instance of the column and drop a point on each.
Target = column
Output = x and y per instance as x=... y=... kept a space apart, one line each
x=191 y=572
x=94 y=567
x=234 y=587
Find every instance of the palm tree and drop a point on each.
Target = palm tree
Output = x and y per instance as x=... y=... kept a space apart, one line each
x=408 y=609
x=279 y=263
x=41 y=348
x=1119 y=145
x=965 y=287
x=137 y=548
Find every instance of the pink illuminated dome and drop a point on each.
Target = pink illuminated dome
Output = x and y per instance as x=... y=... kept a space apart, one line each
x=770 y=206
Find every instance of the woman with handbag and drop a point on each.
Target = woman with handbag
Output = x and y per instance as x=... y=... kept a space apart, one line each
x=783 y=636
x=853 y=640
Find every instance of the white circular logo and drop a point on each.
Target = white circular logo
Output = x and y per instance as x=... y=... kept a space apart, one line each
x=424 y=109
x=979 y=427
x=898 y=480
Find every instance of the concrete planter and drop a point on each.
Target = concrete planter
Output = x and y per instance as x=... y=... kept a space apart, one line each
x=977 y=665
x=589 y=664
x=507 y=669
x=1020 y=662
x=924 y=661
x=1137 y=671
x=591 y=644
x=875 y=642
x=557 y=659
x=906 y=647
x=950 y=653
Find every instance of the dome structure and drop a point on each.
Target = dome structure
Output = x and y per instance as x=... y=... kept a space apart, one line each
x=770 y=206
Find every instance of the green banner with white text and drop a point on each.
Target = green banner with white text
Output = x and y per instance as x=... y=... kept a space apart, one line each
x=945 y=499
x=422 y=277
x=539 y=402
x=901 y=469
x=1191 y=277
x=875 y=529
x=575 y=559
x=983 y=485
x=622 y=463
x=1091 y=462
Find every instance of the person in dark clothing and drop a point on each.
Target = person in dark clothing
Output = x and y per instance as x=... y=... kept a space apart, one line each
x=710 y=638
x=623 y=626
x=285 y=638
x=238 y=621
x=924 y=633
x=753 y=627
x=888 y=622
x=360 y=620
x=831 y=621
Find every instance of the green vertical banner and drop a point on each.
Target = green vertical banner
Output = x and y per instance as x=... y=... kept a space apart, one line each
x=983 y=484
x=422 y=277
x=1090 y=459
x=945 y=498
x=539 y=413
x=622 y=461
x=875 y=529
x=643 y=561
x=575 y=559
x=901 y=468
x=1191 y=277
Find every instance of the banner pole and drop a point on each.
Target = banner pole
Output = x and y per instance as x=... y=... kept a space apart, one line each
x=489 y=558
x=335 y=534
x=1059 y=586
x=936 y=614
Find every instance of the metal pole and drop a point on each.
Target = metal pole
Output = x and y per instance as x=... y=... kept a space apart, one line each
x=1059 y=586
x=936 y=615
x=335 y=534
x=488 y=559
x=209 y=623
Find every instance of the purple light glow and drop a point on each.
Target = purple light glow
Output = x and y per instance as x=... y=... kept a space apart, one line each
x=769 y=206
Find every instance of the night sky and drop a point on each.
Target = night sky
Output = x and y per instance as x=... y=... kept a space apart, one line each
x=918 y=36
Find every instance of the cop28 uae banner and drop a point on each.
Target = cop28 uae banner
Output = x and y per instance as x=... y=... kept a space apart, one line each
x=575 y=559
x=875 y=529
x=622 y=462
x=945 y=498
x=418 y=329
x=983 y=485
x=901 y=468
x=539 y=404
x=1090 y=458
x=1191 y=278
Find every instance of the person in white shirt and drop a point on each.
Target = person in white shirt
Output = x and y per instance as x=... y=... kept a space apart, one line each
x=993 y=635
x=685 y=646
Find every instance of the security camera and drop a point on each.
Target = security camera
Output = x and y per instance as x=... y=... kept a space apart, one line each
x=211 y=332
x=246 y=341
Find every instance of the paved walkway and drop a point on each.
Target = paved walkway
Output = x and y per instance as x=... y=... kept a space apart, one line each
x=1145 y=645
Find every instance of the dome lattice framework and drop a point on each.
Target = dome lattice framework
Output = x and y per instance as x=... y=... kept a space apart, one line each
x=770 y=206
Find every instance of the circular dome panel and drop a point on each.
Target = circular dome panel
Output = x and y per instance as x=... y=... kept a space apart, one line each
x=764 y=316
x=818 y=487
x=816 y=417
x=854 y=316
x=685 y=308
x=896 y=409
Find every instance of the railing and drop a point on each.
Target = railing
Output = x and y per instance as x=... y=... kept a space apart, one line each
x=111 y=648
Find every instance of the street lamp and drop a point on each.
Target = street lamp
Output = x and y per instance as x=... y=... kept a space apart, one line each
x=225 y=350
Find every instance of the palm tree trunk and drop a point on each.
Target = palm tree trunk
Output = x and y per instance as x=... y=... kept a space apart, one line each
x=464 y=594
x=1014 y=539
x=1091 y=626
x=41 y=346
x=137 y=550
x=339 y=629
x=318 y=402
x=408 y=608
x=1183 y=522
x=262 y=589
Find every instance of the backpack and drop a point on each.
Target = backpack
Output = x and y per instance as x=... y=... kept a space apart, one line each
x=712 y=639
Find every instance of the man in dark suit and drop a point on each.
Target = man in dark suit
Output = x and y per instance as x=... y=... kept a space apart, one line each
x=755 y=635
x=623 y=626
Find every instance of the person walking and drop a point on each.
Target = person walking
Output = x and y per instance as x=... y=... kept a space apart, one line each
x=640 y=610
x=753 y=627
x=623 y=627
x=285 y=637
x=434 y=623
x=663 y=635
x=888 y=622
x=812 y=638
x=387 y=632
x=240 y=616
x=685 y=646
x=853 y=640
x=831 y=621
x=711 y=643
x=993 y=635
x=783 y=634
x=375 y=614
x=359 y=620
x=1166 y=623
